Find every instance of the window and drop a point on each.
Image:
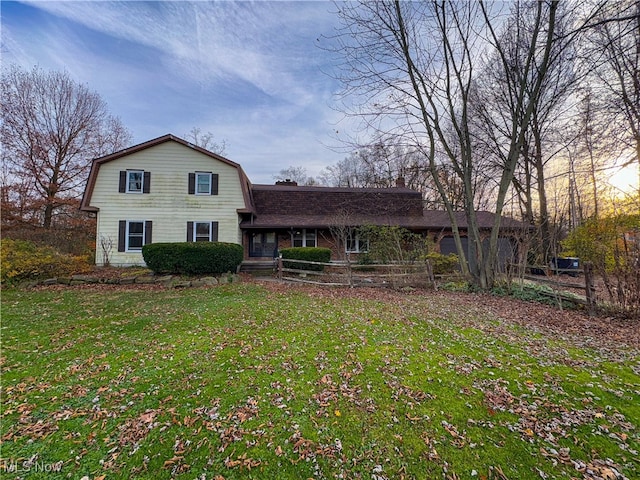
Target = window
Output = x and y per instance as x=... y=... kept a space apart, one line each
x=304 y=238
x=356 y=244
x=134 y=181
x=202 y=231
x=203 y=183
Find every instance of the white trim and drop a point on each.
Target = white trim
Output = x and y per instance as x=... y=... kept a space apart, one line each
x=127 y=236
x=127 y=181
x=303 y=233
x=195 y=229
x=209 y=175
x=358 y=243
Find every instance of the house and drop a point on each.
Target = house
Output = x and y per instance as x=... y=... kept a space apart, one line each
x=168 y=190
x=163 y=190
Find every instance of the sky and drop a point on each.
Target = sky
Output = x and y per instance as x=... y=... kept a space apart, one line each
x=251 y=73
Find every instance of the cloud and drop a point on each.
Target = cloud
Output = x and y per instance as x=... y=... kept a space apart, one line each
x=247 y=71
x=211 y=41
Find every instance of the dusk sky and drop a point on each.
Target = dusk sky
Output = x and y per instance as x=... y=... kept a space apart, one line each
x=251 y=73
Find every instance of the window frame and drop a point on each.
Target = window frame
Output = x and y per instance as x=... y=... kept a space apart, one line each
x=358 y=242
x=127 y=237
x=128 y=181
x=209 y=175
x=195 y=231
x=192 y=226
x=304 y=233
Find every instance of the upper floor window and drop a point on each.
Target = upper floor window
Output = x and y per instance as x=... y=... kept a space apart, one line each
x=135 y=178
x=304 y=238
x=134 y=181
x=203 y=183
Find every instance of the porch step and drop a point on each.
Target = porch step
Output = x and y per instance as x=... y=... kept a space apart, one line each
x=252 y=266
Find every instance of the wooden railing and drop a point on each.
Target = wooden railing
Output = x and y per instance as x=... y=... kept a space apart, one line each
x=353 y=274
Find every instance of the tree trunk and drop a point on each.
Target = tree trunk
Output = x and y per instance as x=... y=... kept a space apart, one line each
x=48 y=215
x=545 y=231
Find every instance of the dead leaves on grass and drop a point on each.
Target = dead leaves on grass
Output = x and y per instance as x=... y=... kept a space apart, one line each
x=337 y=391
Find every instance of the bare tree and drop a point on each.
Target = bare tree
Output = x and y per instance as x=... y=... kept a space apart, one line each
x=345 y=173
x=52 y=129
x=380 y=164
x=206 y=141
x=495 y=108
x=412 y=66
x=614 y=52
x=295 y=174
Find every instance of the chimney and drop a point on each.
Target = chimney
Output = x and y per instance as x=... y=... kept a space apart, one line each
x=400 y=182
x=287 y=182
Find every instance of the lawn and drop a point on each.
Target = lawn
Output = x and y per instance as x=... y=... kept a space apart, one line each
x=269 y=381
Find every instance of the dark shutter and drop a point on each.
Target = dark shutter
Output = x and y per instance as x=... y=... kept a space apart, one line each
x=189 y=231
x=192 y=183
x=147 y=232
x=122 y=233
x=214 y=231
x=146 y=183
x=122 y=185
x=214 y=184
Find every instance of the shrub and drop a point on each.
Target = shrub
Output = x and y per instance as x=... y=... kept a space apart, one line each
x=24 y=260
x=309 y=254
x=443 y=264
x=612 y=245
x=193 y=258
x=391 y=244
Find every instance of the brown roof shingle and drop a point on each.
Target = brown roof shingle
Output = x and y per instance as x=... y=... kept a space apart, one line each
x=287 y=206
x=284 y=206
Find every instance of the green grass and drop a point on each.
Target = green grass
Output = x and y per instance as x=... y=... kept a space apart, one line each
x=241 y=381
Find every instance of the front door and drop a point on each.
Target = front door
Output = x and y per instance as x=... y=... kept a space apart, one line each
x=262 y=244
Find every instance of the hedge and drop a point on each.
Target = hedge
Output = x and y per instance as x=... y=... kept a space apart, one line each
x=310 y=254
x=193 y=258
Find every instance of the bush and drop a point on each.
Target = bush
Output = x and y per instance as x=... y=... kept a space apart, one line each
x=443 y=264
x=612 y=245
x=391 y=244
x=23 y=260
x=309 y=254
x=193 y=258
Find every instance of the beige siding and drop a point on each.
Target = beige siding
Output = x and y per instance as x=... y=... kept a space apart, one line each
x=168 y=205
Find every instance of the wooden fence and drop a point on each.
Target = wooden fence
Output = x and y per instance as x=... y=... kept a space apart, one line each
x=420 y=275
x=353 y=275
x=552 y=279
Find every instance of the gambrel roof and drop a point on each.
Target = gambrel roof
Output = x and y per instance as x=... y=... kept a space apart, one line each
x=95 y=167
